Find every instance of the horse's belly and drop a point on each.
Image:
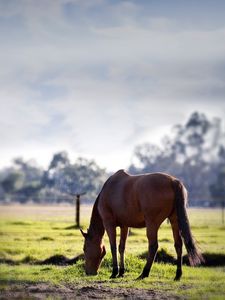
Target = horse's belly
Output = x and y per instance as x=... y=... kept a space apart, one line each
x=130 y=220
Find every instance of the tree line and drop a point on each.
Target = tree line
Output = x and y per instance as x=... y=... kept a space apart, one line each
x=25 y=181
x=194 y=152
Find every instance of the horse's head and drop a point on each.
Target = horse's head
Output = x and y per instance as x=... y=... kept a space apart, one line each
x=94 y=252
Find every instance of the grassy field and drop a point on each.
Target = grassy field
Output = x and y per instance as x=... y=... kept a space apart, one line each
x=30 y=234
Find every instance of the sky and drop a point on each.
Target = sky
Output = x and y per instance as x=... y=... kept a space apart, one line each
x=98 y=77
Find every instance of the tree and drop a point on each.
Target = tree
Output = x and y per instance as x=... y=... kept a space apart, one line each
x=190 y=152
x=12 y=182
x=59 y=161
x=82 y=176
x=64 y=178
x=217 y=189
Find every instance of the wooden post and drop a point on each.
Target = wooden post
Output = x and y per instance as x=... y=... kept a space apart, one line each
x=223 y=212
x=77 y=208
x=77 y=211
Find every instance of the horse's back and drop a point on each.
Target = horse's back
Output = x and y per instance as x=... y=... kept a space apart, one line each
x=156 y=194
x=129 y=199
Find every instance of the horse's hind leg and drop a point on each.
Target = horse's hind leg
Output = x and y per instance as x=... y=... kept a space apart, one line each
x=152 y=232
x=123 y=238
x=177 y=244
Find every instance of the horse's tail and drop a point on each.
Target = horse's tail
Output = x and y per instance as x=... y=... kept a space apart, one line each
x=181 y=196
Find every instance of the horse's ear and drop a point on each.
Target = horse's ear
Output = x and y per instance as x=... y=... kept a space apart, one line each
x=83 y=233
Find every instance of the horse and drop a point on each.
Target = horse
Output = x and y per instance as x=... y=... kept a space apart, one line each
x=138 y=201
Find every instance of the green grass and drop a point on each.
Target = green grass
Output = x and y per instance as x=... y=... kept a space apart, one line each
x=30 y=234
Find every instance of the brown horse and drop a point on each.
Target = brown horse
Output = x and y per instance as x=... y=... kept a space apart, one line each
x=138 y=201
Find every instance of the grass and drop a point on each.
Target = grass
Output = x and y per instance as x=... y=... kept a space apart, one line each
x=30 y=234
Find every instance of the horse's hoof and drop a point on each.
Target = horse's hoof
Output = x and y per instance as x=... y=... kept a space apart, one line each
x=114 y=273
x=140 y=277
x=177 y=278
x=121 y=272
x=144 y=274
x=178 y=275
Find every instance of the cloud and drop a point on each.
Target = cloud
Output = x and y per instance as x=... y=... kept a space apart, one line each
x=98 y=77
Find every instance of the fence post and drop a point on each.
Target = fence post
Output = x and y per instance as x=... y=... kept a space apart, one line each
x=223 y=212
x=77 y=211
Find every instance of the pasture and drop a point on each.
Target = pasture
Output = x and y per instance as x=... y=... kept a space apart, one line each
x=31 y=234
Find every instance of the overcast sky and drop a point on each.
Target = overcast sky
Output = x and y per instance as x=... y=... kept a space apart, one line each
x=97 y=77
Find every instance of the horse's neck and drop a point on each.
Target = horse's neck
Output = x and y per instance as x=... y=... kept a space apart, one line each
x=96 y=228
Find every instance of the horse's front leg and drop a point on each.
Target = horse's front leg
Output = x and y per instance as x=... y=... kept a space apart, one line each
x=123 y=238
x=111 y=231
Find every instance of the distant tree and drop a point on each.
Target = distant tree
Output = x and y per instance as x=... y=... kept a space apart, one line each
x=12 y=182
x=83 y=176
x=190 y=152
x=217 y=188
x=146 y=155
x=63 y=178
x=32 y=180
x=32 y=174
x=59 y=161
x=21 y=177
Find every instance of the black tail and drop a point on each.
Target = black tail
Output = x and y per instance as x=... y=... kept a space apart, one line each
x=194 y=254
